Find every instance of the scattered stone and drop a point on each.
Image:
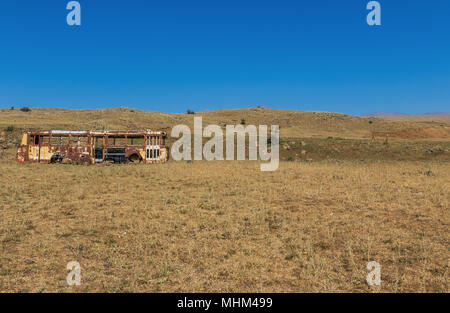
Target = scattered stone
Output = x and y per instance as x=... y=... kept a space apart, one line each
x=28 y=262
x=286 y=147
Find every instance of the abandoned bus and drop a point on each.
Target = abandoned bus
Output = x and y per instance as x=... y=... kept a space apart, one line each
x=90 y=147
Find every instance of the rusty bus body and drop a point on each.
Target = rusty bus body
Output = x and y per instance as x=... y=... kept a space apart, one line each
x=91 y=147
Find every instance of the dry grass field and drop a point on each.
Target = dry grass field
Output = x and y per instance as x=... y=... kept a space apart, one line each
x=225 y=226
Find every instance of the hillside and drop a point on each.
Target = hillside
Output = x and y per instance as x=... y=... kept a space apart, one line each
x=293 y=124
x=424 y=118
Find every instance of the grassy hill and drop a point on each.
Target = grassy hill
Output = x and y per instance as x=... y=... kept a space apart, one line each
x=443 y=118
x=293 y=124
x=304 y=135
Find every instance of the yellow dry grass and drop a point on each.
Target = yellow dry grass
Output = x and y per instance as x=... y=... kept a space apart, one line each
x=225 y=227
x=293 y=124
x=425 y=118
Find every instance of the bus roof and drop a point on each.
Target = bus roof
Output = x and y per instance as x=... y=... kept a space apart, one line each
x=98 y=132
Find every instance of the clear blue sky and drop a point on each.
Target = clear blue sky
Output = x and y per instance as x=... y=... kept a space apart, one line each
x=172 y=55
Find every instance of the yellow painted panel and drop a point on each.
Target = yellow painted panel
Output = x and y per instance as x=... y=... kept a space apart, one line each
x=24 y=139
x=163 y=154
x=33 y=153
x=45 y=153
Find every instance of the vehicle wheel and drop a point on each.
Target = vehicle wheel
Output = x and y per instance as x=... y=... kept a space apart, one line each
x=134 y=158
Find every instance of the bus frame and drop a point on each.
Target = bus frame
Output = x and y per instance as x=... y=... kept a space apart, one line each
x=91 y=147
